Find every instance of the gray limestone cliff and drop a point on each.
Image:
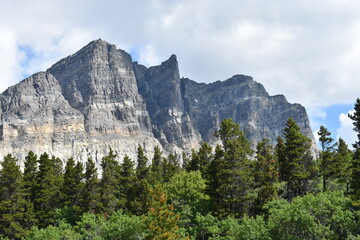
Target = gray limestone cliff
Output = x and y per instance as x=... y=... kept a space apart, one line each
x=99 y=98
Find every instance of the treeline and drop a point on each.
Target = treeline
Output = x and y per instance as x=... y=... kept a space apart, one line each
x=230 y=192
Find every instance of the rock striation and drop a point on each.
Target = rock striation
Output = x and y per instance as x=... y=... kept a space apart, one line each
x=99 y=98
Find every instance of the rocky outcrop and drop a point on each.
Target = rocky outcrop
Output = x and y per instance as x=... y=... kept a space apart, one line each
x=98 y=98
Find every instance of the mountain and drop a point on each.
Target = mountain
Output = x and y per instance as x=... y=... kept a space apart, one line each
x=99 y=98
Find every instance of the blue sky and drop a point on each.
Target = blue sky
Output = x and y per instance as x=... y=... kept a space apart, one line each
x=307 y=50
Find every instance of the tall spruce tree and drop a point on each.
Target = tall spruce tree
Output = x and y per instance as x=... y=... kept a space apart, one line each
x=127 y=189
x=30 y=172
x=170 y=166
x=141 y=184
x=266 y=174
x=280 y=153
x=298 y=160
x=72 y=185
x=155 y=169
x=344 y=156
x=108 y=185
x=16 y=212
x=355 y=181
x=234 y=177
x=200 y=159
x=47 y=190
x=90 y=193
x=327 y=164
x=212 y=177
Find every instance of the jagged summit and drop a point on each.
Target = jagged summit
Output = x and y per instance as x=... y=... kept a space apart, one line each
x=98 y=98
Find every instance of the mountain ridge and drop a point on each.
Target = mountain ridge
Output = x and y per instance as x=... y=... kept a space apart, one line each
x=98 y=98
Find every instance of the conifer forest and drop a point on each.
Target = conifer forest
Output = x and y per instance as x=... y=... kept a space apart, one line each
x=230 y=191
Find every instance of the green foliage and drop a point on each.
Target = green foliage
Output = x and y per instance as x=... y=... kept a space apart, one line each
x=16 y=213
x=344 y=157
x=127 y=179
x=140 y=198
x=297 y=163
x=64 y=231
x=108 y=185
x=171 y=166
x=30 y=172
x=201 y=159
x=266 y=174
x=186 y=191
x=323 y=216
x=355 y=178
x=72 y=184
x=233 y=171
x=47 y=189
x=90 y=195
x=329 y=166
x=156 y=167
x=117 y=226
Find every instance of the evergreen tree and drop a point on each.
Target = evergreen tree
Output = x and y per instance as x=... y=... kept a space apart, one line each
x=280 y=153
x=171 y=166
x=109 y=183
x=234 y=176
x=344 y=156
x=16 y=212
x=328 y=166
x=47 y=190
x=156 y=164
x=141 y=185
x=161 y=222
x=126 y=184
x=30 y=172
x=90 y=193
x=298 y=160
x=201 y=159
x=72 y=188
x=266 y=174
x=355 y=181
x=212 y=177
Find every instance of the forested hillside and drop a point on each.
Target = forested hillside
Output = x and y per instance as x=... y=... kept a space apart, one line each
x=230 y=192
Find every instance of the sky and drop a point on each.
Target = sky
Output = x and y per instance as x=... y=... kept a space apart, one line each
x=307 y=50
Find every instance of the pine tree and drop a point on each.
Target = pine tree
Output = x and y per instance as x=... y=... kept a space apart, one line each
x=30 y=172
x=298 y=160
x=16 y=212
x=280 y=153
x=156 y=164
x=47 y=190
x=126 y=184
x=72 y=184
x=90 y=193
x=344 y=156
x=355 y=181
x=141 y=185
x=235 y=178
x=201 y=159
x=266 y=174
x=170 y=166
x=328 y=166
x=109 y=183
x=161 y=222
x=212 y=177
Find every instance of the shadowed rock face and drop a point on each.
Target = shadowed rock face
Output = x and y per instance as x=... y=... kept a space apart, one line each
x=98 y=98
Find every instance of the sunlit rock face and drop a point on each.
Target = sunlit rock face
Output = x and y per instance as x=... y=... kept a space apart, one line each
x=98 y=98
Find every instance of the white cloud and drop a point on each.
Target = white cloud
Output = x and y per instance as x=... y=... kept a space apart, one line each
x=345 y=130
x=307 y=50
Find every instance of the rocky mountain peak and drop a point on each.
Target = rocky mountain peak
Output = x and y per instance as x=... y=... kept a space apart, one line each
x=98 y=98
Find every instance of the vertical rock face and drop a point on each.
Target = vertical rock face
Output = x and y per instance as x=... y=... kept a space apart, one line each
x=98 y=98
x=160 y=87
